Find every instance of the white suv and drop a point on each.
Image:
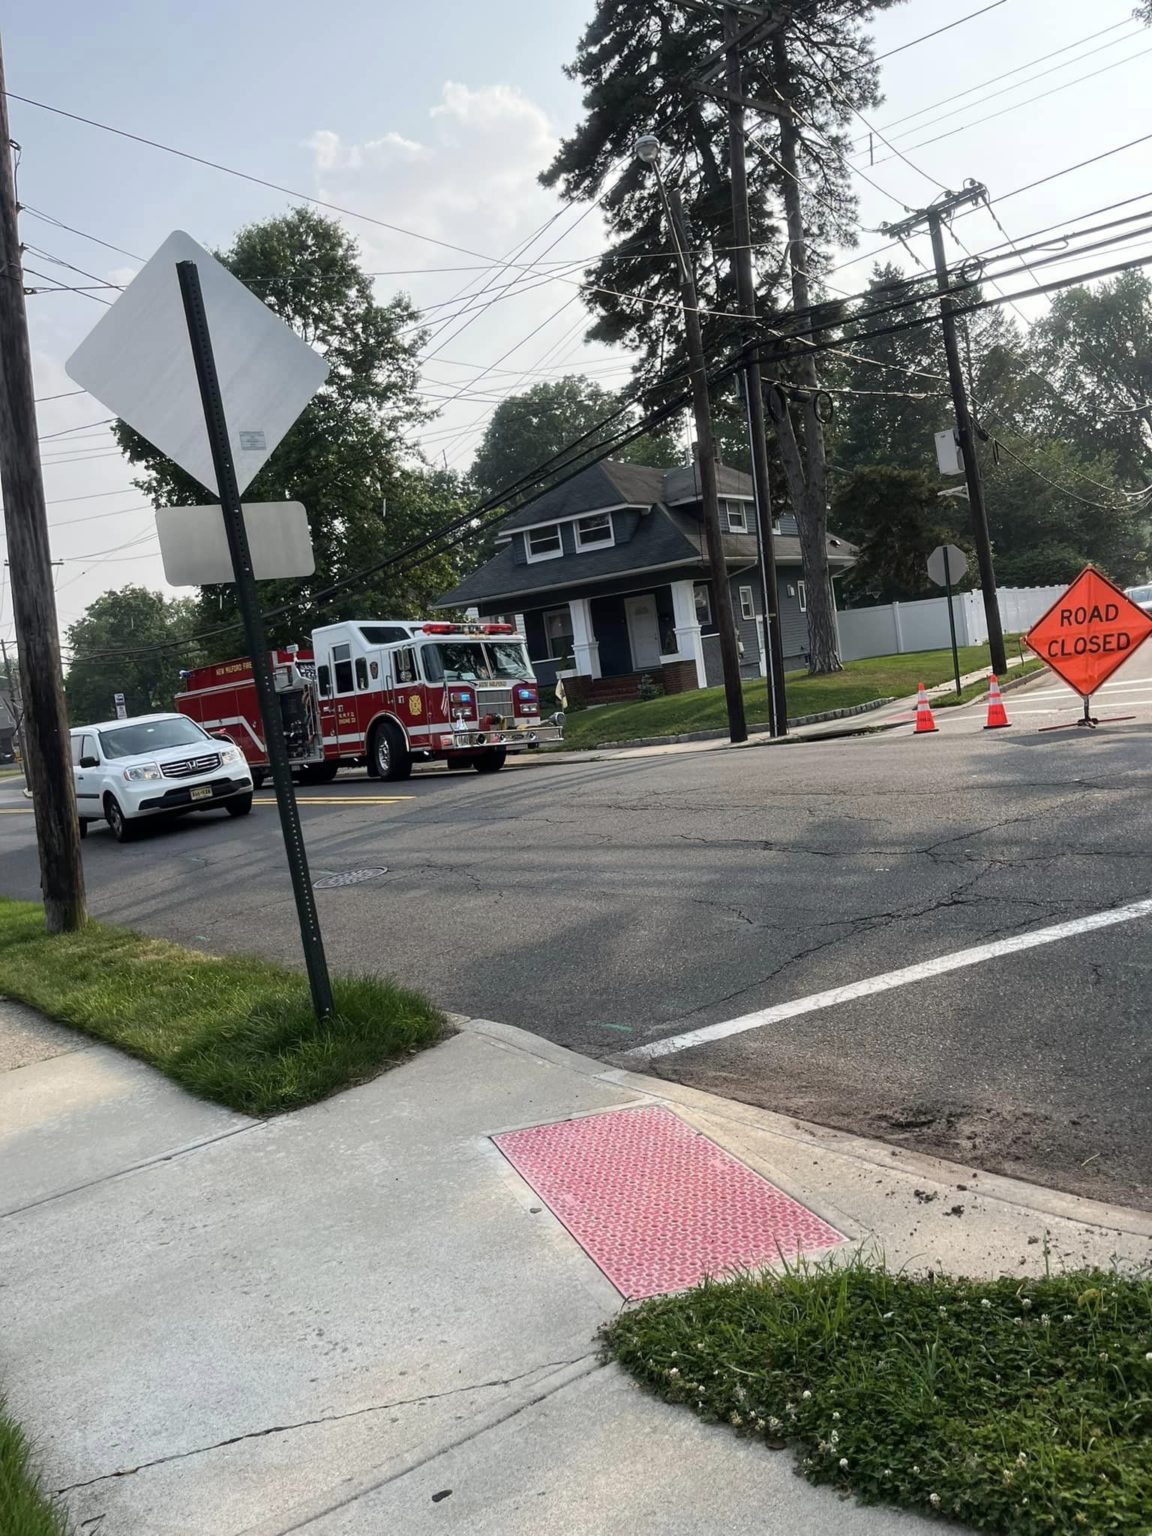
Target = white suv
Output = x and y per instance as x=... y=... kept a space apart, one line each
x=154 y=765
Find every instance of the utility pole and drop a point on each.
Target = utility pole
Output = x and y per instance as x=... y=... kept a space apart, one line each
x=934 y=217
x=753 y=382
x=44 y=733
x=647 y=150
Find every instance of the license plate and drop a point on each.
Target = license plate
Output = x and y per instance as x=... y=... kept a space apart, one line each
x=202 y=792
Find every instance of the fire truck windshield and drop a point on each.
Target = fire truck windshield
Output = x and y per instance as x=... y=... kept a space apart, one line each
x=475 y=661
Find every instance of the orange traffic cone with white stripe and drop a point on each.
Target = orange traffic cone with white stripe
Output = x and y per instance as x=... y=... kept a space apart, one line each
x=924 y=720
x=997 y=717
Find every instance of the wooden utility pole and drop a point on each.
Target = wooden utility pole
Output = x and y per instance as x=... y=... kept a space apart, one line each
x=934 y=217
x=706 y=463
x=44 y=725
x=753 y=382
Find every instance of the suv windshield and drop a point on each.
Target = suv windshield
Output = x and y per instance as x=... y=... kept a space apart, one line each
x=475 y=661
x=150 y=736
x=1140 y=594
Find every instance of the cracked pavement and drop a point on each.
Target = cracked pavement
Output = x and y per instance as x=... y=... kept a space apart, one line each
x=605 y=904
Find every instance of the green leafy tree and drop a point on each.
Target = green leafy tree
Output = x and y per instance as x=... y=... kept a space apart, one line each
x=155 y=634
x=897 y=519
x=639 y=66
x=1051 y=512
x=526 y=430
x=1096 y=346
x=345 y=458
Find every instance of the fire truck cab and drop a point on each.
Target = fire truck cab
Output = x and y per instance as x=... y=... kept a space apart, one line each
x=385 y=693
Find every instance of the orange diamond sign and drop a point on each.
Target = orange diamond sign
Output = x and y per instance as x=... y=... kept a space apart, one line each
x=1089 y=632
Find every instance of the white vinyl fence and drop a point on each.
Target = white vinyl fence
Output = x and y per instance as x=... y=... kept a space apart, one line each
x=896 y=628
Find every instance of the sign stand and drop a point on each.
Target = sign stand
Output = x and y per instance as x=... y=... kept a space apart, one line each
x=952 y=621
x=217 y=429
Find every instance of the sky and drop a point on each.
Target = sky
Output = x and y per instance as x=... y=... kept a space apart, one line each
x=438 y=120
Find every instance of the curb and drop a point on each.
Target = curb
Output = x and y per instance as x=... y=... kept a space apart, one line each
x=1040 y=1199
x=753 y=730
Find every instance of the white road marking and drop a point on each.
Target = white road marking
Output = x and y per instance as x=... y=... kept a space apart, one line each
x=871 y=985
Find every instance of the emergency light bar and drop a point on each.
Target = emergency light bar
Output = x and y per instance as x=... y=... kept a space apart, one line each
x=469 y=629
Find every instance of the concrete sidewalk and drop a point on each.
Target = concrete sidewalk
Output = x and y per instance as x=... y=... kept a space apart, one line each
x=358 y=1318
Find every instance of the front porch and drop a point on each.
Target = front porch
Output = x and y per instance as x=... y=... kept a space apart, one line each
x=603 y=647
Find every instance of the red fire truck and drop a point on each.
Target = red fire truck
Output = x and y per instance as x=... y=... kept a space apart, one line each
x=383 y=693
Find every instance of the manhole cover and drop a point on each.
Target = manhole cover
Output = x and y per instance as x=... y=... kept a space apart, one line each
x=332 y=879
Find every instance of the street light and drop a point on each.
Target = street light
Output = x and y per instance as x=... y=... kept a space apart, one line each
x=647 y=151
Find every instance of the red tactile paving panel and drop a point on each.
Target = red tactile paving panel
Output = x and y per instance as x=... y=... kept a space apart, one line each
x=656 y=1205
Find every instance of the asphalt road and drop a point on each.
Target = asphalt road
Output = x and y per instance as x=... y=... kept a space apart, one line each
x=608 y=904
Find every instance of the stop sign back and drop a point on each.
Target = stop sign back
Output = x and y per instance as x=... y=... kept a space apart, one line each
x=1089 y=632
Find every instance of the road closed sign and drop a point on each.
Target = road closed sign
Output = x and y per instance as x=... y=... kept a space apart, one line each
x=1089 y=632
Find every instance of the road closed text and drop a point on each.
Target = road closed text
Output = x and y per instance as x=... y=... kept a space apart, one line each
x=1097 y=642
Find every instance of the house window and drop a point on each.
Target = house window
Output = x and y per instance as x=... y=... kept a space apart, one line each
x=802 y=596
x=747 y=606
x=593 y=530
x=737 y=517
x=544 y=543
x=558 y=633
x=703 y=603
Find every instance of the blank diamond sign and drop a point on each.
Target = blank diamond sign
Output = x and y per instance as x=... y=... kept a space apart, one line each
x=137 y=361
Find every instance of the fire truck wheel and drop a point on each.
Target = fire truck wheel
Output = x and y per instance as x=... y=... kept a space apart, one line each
x=490 y=761
x=388 y=753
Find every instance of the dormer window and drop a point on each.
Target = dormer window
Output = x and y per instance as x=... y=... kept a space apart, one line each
x=544 y=543
x=594 y=530
x=737 y=517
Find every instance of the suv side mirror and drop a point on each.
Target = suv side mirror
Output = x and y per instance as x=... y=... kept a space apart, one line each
x=89 y=762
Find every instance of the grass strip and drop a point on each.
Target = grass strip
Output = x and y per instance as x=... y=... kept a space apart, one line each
x=25 y=1508
x=1020 y=1406
x=977 y=690
x=239 y=1031
x=860 y=682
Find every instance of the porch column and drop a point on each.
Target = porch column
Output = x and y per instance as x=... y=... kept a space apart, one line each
x=585 y=646
x=688 y=641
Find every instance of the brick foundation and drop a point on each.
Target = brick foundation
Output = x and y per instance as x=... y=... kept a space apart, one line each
x=679 y=676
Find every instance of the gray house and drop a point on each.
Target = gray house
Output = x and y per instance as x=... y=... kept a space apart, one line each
x=610 y=575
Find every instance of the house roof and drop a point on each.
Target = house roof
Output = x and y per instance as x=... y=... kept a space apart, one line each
x=667 y=535
x=606 y=484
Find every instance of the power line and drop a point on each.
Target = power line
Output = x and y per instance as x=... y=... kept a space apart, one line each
x=892 y=52
x=995 y=79
x=1015 y=106
x=259 y=181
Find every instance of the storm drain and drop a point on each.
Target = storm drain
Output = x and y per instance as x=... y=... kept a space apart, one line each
x=334 y=879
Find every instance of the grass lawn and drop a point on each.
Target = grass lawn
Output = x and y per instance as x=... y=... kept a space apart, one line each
x=238 y=1031
x=25 y=1509
x=879 y=677
x=1018 y=1406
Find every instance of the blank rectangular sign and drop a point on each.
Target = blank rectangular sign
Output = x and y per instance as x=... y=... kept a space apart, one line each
x=194 y=545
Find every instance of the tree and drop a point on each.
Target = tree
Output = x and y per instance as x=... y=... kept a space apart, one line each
x=528 y=429
x=346 y=457
x=893 y=411
x=1096 y=346
x=640 y=68
x=1052 y=511
x=897 y=518
x=154 y=632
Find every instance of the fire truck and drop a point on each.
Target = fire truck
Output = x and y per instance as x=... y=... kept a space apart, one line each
x=382 y=693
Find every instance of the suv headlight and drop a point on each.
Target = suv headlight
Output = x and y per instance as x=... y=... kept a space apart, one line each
x=230 y=755
x=142 y=772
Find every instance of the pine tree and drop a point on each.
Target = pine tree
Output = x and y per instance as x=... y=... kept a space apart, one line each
x=640 y=66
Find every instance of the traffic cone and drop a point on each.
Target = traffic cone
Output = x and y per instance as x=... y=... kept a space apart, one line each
x=924 y=720
x=997 y=718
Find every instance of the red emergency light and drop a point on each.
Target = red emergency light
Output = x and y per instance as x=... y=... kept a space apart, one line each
x=499 y=629
x=440 y=629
